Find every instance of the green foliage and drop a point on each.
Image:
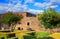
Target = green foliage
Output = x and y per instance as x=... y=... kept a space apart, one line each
x=50 y=18
x=10 y=18
x=47 y=25
x=7 y=17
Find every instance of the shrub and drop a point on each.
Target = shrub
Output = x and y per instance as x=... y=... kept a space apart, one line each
x=47 y=25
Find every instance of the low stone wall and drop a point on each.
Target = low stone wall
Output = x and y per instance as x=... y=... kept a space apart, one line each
x=53 y=30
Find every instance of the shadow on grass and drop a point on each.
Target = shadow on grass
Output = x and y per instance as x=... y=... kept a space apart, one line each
x=29 y=37
x=46 y=38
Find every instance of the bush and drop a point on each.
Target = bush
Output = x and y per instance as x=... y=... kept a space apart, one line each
x=47 y=25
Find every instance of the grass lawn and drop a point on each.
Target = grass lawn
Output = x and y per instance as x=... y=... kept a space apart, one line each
x=20 y=34
x=42 y=34
x=3 y=35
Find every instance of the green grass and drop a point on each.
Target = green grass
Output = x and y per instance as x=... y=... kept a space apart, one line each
x=20 y=34
x=42 y=34
x=3 y=35
x=37 y=34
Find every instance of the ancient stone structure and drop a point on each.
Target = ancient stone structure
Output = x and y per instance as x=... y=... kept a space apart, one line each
x=28 y=22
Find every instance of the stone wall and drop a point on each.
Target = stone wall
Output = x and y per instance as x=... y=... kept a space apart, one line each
x=29 y=22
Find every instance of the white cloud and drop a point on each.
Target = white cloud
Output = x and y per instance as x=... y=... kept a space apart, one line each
x=56 y=1
x=45 y=5
x=3 y=7
x=29 y=1
x=11 y=6
x=54 y=6
x=14 y=1
x=35 y=11
x=42 y=5
x=52 y=1
x=39 y=4
x=18 y=7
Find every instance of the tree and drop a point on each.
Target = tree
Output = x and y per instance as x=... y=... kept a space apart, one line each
x=10 y=18
x=50 y=18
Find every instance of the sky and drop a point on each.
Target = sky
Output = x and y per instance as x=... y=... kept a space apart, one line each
x=32 y=6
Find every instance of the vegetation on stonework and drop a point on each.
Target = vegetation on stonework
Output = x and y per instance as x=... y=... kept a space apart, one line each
x=50 y=18
x=10 y=19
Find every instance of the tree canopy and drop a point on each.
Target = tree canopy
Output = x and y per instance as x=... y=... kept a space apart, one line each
x=50 y=18
x=10 y=18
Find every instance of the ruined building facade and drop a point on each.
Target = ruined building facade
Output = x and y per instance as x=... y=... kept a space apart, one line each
x=28 y=22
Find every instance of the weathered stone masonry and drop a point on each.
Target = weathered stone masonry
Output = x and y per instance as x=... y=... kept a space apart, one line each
x=28 y=21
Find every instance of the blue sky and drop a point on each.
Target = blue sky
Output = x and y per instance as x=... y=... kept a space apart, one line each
x=33 y=6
